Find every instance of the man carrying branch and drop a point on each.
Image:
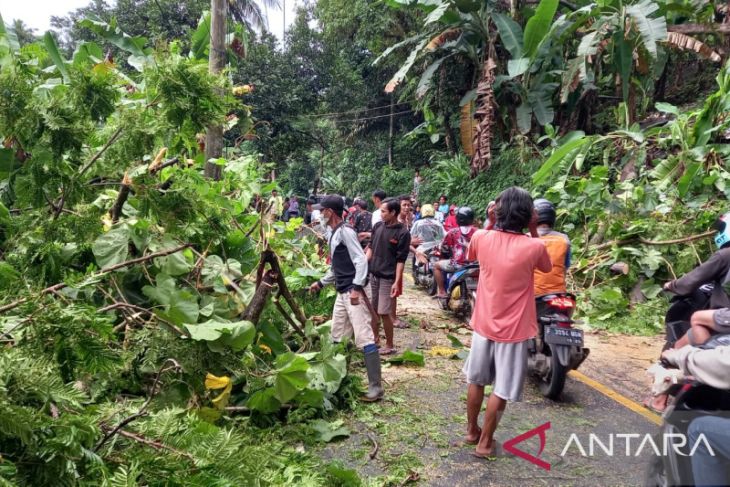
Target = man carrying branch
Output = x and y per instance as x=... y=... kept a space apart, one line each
x=348 y=273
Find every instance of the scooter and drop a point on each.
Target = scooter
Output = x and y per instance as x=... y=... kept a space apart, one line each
x=423 y=272
x=689 y=399
x=677 y=319
x=461 y=290
x=558 y=346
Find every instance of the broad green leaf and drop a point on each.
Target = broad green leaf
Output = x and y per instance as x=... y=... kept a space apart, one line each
x=405 y=42
x=652 y=30
x=328 y=431
x=437 y=13
x=328 y=374
x=50 y=42
x=183 y=308
x=517 y=67
x=112 y=247
x=236 y=335
x=690 y=173
x=666 y=170
x=264 y=401
x=542 y=103
x=409 y=357
x=511 y=34
x=624 y=61
x=200 y=41
x=407 y=65
x=88 y=52
x=111 y=33
x=539 y=25
x=291 y=376
x=666 y=108
x=174 y=264
x=558 y=156
x=9 y=44
x=425 y=83
x=524 y=117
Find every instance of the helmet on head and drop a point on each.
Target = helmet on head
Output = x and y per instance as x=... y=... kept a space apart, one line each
x=464 y=216
x=427 y=210
x=545 y=211
x=722 y=225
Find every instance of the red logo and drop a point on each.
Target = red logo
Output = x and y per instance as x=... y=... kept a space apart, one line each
x=540 y=431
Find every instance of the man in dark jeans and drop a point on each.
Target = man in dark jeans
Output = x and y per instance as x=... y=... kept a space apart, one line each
x=387 y=256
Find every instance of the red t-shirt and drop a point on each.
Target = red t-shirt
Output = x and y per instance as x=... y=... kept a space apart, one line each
x=505 y=305
x=456 y=243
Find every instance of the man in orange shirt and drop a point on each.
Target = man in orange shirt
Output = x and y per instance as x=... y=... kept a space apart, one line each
x=558 y=247
x=504 y=317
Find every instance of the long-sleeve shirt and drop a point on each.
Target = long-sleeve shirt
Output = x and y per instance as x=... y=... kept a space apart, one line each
x=390 y=245
x=716 y=271
x=711 y=367
x=349 y=269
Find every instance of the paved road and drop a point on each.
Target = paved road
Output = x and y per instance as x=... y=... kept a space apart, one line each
x=423 y=416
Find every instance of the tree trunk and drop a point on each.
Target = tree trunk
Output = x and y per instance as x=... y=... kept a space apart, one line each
x=260 y=298
x=482 y=157
x=690 y=29
x=391 y=131
x=216 y=64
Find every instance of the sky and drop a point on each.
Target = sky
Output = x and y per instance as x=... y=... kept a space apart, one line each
x=37 y=13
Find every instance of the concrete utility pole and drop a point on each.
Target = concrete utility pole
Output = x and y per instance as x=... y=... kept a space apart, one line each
x=216 y=64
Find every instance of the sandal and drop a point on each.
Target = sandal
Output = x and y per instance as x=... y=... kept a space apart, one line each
x=388 y=351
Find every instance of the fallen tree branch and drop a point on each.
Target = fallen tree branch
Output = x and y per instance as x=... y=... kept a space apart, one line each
x=107 y=270
x=288 y=318
x=116 y=210
x=644 y=241
x=283 y=288
x=140 y=309
x=374 y=452
x=157 y=445
x=96 y=157
x=690 y=29
x=143 y=409
x=167 y=163
x=263 y=291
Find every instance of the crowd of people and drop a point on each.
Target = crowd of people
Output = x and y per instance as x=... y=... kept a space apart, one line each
x=521 y=255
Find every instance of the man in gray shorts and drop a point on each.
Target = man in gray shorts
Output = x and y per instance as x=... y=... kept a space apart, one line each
x=705 y=324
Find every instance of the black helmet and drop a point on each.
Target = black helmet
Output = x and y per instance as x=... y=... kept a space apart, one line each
x=464 y=216
x=545 y=211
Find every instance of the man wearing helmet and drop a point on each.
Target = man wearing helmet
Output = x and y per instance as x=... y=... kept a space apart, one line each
x=454 y=245
x=558 y=247
x=426 y=233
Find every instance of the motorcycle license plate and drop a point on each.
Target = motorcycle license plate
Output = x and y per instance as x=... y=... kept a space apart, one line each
x=563 y=336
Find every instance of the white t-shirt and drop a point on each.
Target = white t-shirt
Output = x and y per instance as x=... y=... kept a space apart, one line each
x=377 y=217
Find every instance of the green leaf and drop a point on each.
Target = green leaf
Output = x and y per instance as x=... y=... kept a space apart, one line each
x=559 y=155
x=264 y=401
x=55 y=55
x=112 y=247
x=87 y=52
x=690 y=173
x=200 y=40
x=652 y=30
x=524 y=117
x=409 y=357
x=538 y=26
x=666 y=108
x=291 y=376
x=437 y=13
x=542 y=103
x=407 y=65
x=328 y=374
x=9 y=45
x=236 y=335
x=425 y=82
x=511 y=34
x=328 y=431
x=666 y=171
x=517 y=67
x=624 y=61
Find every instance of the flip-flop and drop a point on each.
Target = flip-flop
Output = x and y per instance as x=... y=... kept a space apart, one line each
x=388 y=351
x=465 y=442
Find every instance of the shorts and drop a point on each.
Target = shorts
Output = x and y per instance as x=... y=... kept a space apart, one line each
x=501 y=364
x=380 y=295
x=352 y=319
x=722 y=320
x=447 y=266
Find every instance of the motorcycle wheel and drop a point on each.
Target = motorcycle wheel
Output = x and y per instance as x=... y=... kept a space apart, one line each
x=432 y=287
x=551 y=385
x=656 y=476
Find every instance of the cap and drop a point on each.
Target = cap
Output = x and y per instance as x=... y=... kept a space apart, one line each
x=333 y=202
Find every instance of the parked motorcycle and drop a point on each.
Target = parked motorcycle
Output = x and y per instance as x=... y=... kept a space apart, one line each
x=558 y=346
x=423 y=272
x=461 y=290
x=688 y=400
x=677 y=319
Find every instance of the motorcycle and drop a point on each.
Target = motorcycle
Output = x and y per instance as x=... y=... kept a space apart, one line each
x=558 y=346
x=689 y=400
x=423 y=272
x=677 y=319
x=461 y=290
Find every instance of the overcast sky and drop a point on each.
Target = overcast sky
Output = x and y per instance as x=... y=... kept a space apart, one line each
x=37 y=13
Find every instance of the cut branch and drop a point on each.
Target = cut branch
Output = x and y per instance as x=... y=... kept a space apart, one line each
x=107 y=270
x=157 y=445
x=96 y=157
x=644 y=241
x=116 y=210
x=288 y=318
x=261 y=296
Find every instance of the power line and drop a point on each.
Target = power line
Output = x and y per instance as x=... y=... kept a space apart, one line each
x=319 y=115
x=379 y=116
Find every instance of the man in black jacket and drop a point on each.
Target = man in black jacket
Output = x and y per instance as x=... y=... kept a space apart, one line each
x=387 y=256
x=348 y=273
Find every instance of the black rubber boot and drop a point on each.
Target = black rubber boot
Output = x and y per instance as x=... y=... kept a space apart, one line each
x=375 y=387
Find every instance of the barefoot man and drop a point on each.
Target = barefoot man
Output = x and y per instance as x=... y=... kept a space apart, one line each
x=504 y=316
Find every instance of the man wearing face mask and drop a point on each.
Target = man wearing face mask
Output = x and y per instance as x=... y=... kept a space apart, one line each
x=454 y=246
x=348 y=272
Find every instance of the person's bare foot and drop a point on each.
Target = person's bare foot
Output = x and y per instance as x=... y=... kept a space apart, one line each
x=472 y=438
x=494 y=451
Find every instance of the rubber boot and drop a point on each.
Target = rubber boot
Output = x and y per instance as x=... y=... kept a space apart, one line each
x=375 y=387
